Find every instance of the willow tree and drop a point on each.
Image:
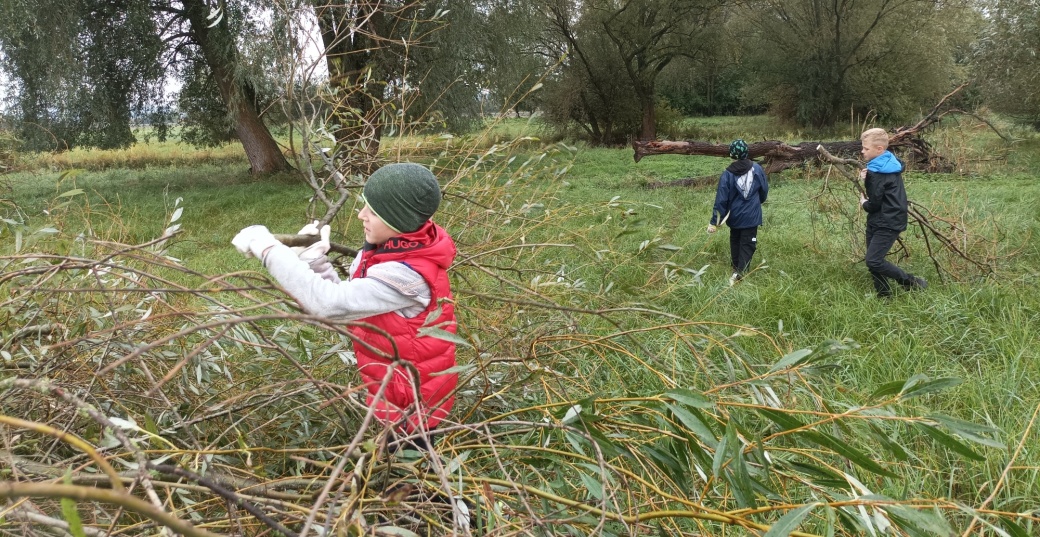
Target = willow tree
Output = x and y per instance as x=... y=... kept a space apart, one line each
x=814 y=62
x=1006 y=63
x=85 y=70
x=615 y=51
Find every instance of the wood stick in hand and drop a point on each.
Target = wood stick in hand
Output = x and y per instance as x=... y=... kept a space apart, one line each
x=307 y=240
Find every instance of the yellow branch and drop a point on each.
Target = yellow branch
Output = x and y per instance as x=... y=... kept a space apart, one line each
x=70 y=438
x=89 y=494
x=631 y=519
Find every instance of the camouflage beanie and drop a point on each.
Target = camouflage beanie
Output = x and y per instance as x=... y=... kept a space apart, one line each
x=403 y=195
x=738 y=150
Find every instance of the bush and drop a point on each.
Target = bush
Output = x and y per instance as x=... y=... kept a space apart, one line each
x=9 y=146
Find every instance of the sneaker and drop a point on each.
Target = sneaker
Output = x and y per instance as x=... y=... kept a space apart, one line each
x=916 y=283
x=734 y=279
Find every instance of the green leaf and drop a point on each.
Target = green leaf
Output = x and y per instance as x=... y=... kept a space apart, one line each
x=739 y=479
x=1013 y=529
x=694 y=424
x=784 y=420
x=844 y=449
x=441 y=333
x=70 y=193
x=918 y=389
x=790 y=521
x=969 y=431
x=890 y=446
x=396 y=531
x=818 y=475
x=593 y=485
x=951 y=442
x=69 y=174
x=69 y=512
x=792 y=359
x=721 y=452
x=667 y=464
x=919 y=522
x=888 y=389
x=608 y=447
x=689 y=398
x=458 y=369
x=150 y=425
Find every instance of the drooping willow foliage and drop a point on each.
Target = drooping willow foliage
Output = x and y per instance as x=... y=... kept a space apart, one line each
x=139 y=394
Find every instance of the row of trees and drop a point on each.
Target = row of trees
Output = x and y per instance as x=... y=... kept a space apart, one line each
x=85 y=70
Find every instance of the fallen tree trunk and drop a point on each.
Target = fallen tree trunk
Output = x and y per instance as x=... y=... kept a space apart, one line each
x=776 y=156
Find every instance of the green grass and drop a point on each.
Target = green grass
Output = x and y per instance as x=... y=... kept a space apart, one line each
x=631 y=244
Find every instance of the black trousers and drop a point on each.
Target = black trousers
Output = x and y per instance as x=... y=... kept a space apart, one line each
x=742 y=244
x=879 y=242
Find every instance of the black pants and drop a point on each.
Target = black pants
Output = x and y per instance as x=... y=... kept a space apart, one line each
x=742 y=244
x=879 y=242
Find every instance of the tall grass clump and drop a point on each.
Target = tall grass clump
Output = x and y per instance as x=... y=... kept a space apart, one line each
x=609 y=384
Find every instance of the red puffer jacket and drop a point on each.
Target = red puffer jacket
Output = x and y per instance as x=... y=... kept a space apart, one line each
x=428 y=251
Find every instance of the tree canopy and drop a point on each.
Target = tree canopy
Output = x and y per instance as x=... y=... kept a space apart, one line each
x=814 y=62
x=84 y=72
x=1008 y=67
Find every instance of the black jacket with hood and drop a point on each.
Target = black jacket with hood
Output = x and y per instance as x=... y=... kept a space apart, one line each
x=886 y=203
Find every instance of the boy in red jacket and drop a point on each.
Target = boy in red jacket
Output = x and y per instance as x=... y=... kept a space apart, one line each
x=396 y=281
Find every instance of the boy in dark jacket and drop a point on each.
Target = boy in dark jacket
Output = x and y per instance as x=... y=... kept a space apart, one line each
x=742 y=190
x=886 y=207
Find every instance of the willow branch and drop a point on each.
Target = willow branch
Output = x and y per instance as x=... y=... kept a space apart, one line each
x=11 y=490
x=307 y=240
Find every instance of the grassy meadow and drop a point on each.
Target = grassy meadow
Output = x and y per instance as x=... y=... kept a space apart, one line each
x=579 y=287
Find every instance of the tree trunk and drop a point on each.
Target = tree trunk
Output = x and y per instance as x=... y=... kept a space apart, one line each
x=355 y=71
x=218 y=49
x=649 y=127
x=777 y=156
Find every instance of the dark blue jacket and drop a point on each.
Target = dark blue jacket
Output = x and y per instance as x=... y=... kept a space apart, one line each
x=740 y=210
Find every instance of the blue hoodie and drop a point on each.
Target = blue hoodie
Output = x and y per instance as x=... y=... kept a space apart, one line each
x=885 y=163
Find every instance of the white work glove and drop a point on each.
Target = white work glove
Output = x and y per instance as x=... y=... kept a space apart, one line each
x=316 y=255
x=712 y=229
x=309 y=229
x=253 y=241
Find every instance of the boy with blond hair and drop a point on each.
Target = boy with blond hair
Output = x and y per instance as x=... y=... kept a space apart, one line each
x=886 y=206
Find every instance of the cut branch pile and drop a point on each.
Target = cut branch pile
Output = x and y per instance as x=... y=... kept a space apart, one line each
x=150 y=396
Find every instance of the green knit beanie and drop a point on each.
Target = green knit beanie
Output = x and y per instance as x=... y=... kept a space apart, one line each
x=403 y=195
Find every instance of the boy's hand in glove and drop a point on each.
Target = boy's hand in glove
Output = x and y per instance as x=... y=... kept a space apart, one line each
x=309 y=229
x=315 y=255
x=254 y=241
